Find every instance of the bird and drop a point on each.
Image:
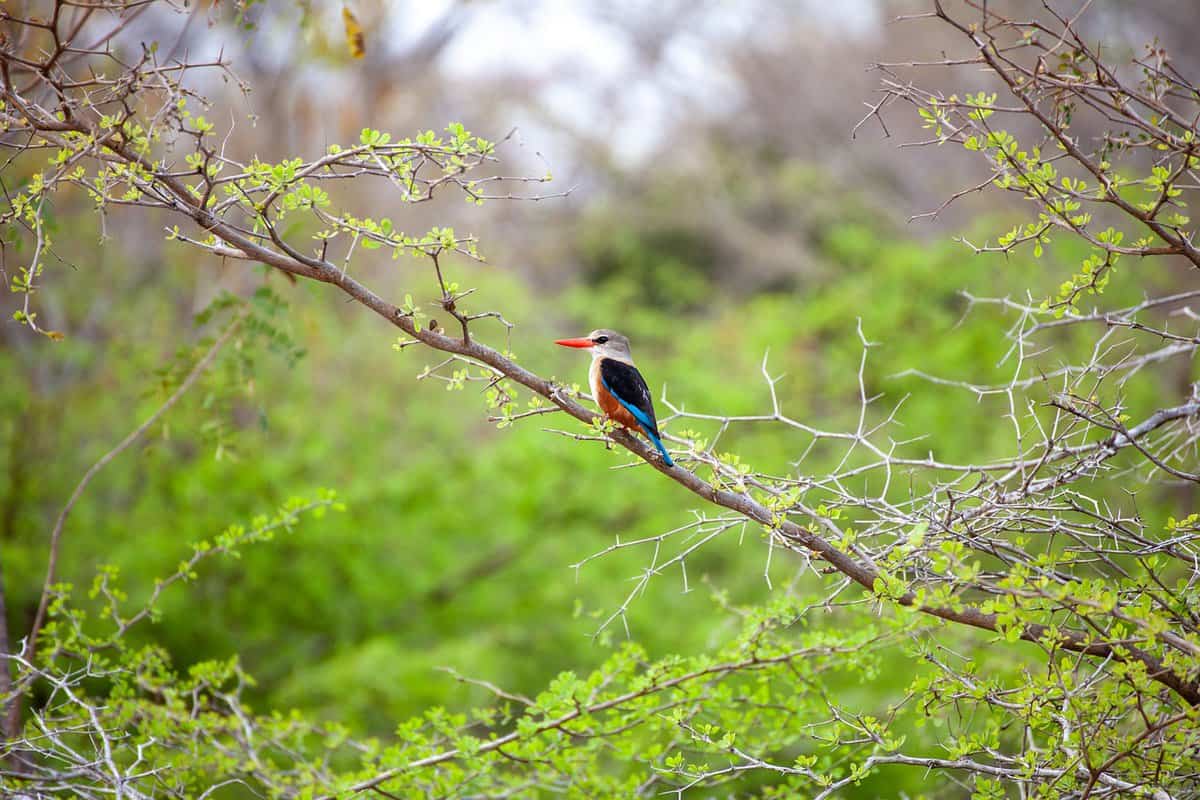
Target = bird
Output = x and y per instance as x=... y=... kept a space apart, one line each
x=618 y=387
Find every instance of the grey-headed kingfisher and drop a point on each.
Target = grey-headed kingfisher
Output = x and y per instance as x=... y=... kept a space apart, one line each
x=619 y=389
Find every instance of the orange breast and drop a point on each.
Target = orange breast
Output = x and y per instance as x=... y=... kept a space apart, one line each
x=611 y=407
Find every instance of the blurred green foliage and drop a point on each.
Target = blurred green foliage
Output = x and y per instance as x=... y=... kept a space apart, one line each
x=463 y=547
x=457 y=543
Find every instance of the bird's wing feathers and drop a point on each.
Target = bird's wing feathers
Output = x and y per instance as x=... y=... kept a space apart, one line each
x=628 y=386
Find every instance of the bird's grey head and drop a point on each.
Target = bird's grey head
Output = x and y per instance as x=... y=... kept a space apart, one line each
x=609 y=344
x=603 y=343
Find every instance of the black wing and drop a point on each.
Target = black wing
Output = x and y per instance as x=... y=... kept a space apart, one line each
x=629 y=387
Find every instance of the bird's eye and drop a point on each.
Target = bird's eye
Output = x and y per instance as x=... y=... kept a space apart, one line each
x=601 y=339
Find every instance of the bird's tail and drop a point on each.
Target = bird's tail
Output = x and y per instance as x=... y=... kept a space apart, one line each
x=658 y=443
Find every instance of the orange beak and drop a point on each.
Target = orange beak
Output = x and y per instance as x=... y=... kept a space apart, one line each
x=574 y=342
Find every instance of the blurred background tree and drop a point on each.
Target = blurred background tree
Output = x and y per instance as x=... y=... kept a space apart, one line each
x=715 y=209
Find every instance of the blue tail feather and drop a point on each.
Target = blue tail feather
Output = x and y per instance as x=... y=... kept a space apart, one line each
x=658 y=443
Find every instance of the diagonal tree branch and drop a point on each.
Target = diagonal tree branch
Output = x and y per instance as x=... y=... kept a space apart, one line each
x=319 y=269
